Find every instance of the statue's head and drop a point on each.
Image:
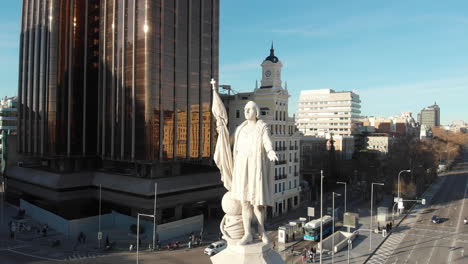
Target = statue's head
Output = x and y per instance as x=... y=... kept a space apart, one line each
x=251 y=111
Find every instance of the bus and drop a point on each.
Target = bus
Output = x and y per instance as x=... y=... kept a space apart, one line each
x=312 y=228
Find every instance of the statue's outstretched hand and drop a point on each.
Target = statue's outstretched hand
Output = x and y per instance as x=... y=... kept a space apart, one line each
x=272 y=155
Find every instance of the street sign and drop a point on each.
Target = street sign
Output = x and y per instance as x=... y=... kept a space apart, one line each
x=351 y=220
x=382 y=214
x=397 y=199
x=400 y=205
x=99 y=235
x=311 y=211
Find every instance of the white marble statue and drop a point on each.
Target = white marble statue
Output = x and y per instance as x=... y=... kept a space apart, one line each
x=246 y=174
x=251 y=182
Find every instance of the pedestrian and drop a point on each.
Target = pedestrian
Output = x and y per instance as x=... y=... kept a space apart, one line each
x=12 y=230
x=303 y=257
x=107 y=240
x=390 y=226
x=314 y=252
x=158 y=245
x=190 y=244
x=274 y=244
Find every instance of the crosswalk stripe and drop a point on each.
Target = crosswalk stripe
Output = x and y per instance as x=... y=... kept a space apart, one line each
x=80 y=257
x=382 y=254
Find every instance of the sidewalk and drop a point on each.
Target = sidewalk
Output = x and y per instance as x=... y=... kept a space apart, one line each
x=33 y=243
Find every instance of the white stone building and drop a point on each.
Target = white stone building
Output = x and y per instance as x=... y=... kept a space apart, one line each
x=380 y=143
x=273 y=101
x=326 y=111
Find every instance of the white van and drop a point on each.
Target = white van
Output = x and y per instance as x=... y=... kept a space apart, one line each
x=215 y=247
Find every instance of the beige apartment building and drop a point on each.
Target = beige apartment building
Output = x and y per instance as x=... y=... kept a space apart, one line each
x=325 y=111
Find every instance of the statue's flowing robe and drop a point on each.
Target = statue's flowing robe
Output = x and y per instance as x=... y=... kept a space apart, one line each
x=251 y=179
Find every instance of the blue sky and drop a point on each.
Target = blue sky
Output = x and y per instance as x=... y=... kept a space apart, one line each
x=398 y=55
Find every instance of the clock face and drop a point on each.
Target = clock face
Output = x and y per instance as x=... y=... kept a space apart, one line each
x=268 y=73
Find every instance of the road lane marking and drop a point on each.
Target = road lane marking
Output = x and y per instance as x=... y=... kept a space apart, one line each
x=458 y=224
x=33 y=256
x=14 y=247
x=432 y=251
x=411 y=251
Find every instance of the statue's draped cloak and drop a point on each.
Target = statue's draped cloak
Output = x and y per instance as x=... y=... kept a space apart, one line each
x=251 y=179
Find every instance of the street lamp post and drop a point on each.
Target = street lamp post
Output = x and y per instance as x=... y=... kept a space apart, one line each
x=344 y=194
x=321 y=214
x=154 y=213
x=333 y=225
x=99 y=232
x=154 y=223
x=2 y=190
x=371 y=208
x=393 y=213
x=349 y=246
x=138 y=234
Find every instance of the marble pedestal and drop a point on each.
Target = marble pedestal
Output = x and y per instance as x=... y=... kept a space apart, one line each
x=256 y=253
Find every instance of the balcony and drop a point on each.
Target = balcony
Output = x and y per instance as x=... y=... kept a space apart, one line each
x=280 y=162
x=280 y=177
x=280 y=148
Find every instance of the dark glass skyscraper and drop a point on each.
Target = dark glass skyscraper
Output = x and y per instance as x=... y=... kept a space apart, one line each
x=125 y=80
x=116 y=94
x=58 y=77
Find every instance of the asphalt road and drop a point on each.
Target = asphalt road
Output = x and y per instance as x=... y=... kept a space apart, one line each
x=8 y=257
x=446 y=242
x=164 y=257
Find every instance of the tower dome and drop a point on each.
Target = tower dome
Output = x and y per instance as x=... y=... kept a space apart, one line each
x=272 y=56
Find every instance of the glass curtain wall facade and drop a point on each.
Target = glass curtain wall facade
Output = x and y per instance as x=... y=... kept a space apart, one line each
x=125 y=80
x=157 y=59
x=58 y=73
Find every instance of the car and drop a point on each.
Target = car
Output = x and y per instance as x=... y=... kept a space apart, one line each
x=215 y=247
x=436 y=219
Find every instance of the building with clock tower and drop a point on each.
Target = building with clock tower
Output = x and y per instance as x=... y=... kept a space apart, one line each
x=273 y=99
x=271 y=71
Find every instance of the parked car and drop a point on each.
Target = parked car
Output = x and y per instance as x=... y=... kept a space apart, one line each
x=215 y=247
x=436 y=219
